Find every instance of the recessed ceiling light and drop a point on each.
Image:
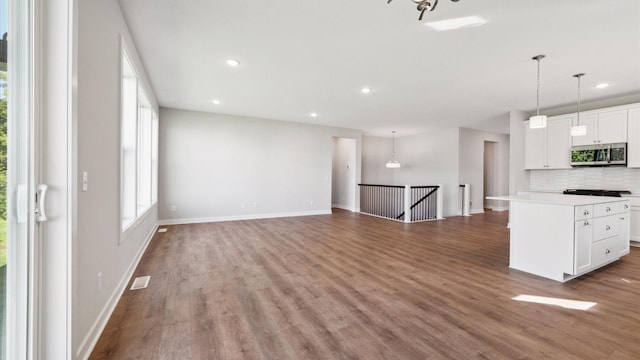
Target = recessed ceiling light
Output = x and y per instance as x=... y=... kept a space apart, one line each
x=365 y=90
x=602 y=86
x=457 y=23
x=216 y=102
x=233 y=62
x=313 y=115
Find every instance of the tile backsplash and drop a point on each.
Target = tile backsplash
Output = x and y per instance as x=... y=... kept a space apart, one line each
x=610 y=178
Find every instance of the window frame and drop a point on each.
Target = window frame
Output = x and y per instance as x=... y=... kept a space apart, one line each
x=142 y=136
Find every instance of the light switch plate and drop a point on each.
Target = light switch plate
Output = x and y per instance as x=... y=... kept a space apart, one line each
x=85 y=181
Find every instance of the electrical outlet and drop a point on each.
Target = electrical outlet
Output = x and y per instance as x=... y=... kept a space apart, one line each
x=242 y=205
x=311 y=202
x=173 y=208
x=255 y=204
x=99 y=281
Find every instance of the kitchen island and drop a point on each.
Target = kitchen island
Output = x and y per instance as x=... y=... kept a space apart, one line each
x=560 y=237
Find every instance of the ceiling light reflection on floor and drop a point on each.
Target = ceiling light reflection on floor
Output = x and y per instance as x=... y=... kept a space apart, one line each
x=567 y=304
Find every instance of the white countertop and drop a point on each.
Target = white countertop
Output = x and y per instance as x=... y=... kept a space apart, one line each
x=558 y=199
x=635 y=194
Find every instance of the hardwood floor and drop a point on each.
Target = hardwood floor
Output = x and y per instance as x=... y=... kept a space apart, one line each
x=350 y=286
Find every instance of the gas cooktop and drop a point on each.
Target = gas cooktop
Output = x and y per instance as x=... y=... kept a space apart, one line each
x=592 y=192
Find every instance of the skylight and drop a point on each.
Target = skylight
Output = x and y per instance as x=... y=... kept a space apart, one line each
x=457 y=23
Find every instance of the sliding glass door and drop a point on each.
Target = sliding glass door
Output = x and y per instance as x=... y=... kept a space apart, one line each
x=16 y=179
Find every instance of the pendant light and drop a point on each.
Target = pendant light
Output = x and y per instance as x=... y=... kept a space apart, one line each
x=393 y=163
x=578 y=130
x=538 y=121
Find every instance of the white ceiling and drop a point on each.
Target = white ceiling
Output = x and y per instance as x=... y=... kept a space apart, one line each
x=303 y=56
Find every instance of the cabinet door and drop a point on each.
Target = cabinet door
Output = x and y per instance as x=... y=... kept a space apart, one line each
x=590 y=121
x=633 y=149
x=625 y=229
x=612 y=127
x=559 y=143
x=534 y=148
x=635 y=223
x=583 y=235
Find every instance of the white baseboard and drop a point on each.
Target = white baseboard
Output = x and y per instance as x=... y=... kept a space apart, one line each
x=90 y=341
x=477 y=211
x=343 y=207
x=242 y=217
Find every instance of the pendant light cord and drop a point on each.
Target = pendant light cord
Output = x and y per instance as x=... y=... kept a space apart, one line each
x=579 y=99
x=538 y=58
x=579 y=76
x=538 y=90
x=393 y=153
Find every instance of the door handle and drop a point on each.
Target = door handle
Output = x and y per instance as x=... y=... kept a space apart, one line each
x=41 y=196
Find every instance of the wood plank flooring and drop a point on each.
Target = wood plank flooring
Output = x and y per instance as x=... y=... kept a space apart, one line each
x=351 y=286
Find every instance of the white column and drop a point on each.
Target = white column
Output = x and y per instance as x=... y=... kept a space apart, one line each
x=407 y=203
x=466 y=200
x=439 y=201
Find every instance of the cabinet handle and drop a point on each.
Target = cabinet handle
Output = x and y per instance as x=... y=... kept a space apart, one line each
x=626 y=206
x=586 y=223
x=608 y=228
x=607 y=251
x=621 y=218
x=586 y=212
x=608 y=209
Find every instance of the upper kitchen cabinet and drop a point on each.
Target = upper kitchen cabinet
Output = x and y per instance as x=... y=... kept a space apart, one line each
x=548 y=148
x=603 y=127
x=633 y=146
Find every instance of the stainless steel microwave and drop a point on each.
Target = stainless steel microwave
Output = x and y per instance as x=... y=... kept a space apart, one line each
x=599 y=155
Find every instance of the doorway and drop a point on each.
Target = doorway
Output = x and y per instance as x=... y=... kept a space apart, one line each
x=491 y=172
x=343 y=174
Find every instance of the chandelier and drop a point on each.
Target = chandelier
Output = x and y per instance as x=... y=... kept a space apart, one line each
x=425 y=5
x=393 y=163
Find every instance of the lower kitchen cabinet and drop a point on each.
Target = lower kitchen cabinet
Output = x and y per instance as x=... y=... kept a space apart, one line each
x=634 y=219
x=561 y=237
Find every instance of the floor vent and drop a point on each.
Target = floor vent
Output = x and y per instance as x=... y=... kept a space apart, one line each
x=140 y=282
x=162 y=230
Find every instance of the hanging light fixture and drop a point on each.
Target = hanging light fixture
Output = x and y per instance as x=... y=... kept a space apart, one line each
x=578 y=130
x=425 y=5
x=538 y=121
x=393 y=163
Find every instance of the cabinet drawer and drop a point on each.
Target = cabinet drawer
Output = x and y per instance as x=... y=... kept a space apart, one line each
x=610 y=208
x=606 y=227
x=584 y=212
x=605 y=251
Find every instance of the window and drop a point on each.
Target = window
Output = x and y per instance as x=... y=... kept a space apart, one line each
x=139 y=141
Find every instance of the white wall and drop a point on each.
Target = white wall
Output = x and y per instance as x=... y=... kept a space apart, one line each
x=344 y=185
x=437 y=157
x=376 y=151
x=472 y=165
x=221 y=167
x=100 y=25
x=518 y=176
x=428 y=159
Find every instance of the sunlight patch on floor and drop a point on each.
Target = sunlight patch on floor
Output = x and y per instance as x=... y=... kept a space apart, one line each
x=565 y=303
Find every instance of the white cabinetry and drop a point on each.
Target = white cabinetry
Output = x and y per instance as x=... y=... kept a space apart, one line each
x=603 y=127
x=548 y=148
x=633 y=133
x=561 y=237
x=583 y=234
x=634 y=218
